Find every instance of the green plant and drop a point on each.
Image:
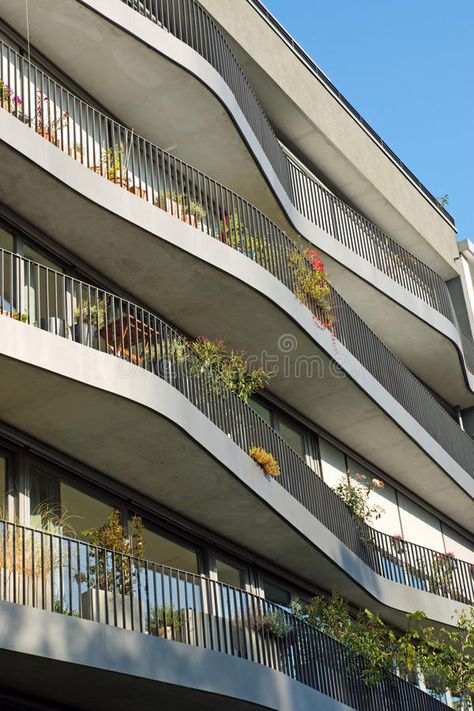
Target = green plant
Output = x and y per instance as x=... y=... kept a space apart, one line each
x=356 y=497
x=113 y=160
x=239 y=237
x=445 y=657
x=23 y=317
x=60 y=607
x=443 y=200
x=113 y=566
x=7 y=96
x=310 y=278
x=266 y=460
x=162 y=617
x=188 y=206
x=275 y=623
x=91 y=312
x=230 y=369
x=439 y=572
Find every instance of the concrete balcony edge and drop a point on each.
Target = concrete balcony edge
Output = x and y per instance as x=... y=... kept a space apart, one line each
x=287 y=522
x=182 y=55
x=75 y=648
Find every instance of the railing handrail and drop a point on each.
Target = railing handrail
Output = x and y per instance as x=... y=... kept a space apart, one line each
x=175 y=20
x=50 y=571
x=312 y=65
x=151 y=343
x=253 y=234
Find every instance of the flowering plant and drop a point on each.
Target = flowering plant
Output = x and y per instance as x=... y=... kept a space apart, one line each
x=311 y=279
x=49 y=119
x=356 y=496
x=266 y=460
x=8 y=99
x=398 y=543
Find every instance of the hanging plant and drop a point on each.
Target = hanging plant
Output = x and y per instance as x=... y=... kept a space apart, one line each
x=266 y=460
x=231 y=369
x=238 y=236
x=310 y=278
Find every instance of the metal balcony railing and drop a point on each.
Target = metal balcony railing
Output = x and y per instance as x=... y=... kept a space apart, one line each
x=311 y=64
x=189 y=22
x=46 y=570
x=124 y=158
x=37 y=296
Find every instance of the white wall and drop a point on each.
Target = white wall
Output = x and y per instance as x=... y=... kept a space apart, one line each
x=333 y=463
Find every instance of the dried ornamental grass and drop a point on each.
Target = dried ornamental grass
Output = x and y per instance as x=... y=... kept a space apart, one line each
x=266 y=460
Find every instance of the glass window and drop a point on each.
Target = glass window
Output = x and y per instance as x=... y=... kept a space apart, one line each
x=274 y=593
x=264 y=412
x=3 y=487
x=53 y=502
x=292 y=435
x=35 y=256
x=168 y=552
x=6 y=240
x=230 y=574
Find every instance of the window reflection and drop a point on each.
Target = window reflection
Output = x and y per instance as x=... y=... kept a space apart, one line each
x=160 y=549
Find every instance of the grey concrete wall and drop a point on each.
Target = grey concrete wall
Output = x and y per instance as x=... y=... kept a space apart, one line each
x=122 y=422
x=438 y=363
x=135 y=670
x=311 y=115
x=96 y=235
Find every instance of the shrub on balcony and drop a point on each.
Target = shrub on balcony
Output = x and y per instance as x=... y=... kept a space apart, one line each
x=114 y=165
x=356 y=497
x=275 y=623
x=8 y=99
x=266 y=460
x=166 y=622
x=92 y=312
x=445 y=657
x=231 y=370
x=113 y=537
x=310 y=278
x=238 y=236
x=181 y=206
x=49 y=119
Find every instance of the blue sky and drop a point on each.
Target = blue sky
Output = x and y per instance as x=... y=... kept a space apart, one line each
x=408 y=67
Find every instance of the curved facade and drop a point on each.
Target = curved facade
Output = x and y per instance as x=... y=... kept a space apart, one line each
x=141 y=290
x=344 y=235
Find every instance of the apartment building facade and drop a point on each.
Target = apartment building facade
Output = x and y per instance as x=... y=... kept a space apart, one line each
x=173 y=176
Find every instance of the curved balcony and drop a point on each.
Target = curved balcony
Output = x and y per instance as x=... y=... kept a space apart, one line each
x=129 y=161
x=73 y=578
x=110 y=230
x=406 y=284
x=92 y=317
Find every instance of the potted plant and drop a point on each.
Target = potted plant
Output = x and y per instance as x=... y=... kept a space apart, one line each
x=166 y=622
x=265 y=460
x=89 y=317
x=136 y=189
x=181 y=206
x=310 y=279
x=398 y=544
x=113 y=166
x=8 y=100
x=112 y=577
x=239 y=237
x=49 y=120
x=276 y=624
x=23 y=317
